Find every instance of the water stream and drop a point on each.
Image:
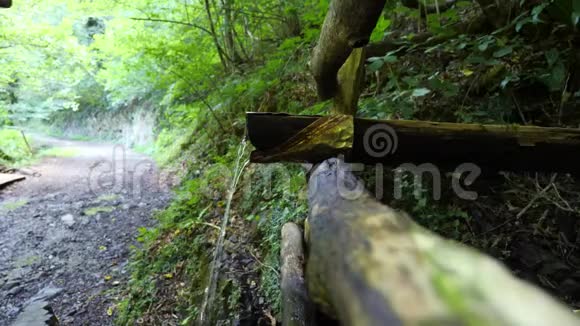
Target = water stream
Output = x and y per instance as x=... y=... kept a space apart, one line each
x=210 y=290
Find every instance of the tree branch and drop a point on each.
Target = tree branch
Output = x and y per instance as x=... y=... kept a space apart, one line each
x=169 y=21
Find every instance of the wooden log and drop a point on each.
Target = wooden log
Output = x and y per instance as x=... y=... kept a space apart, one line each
x=497 y=147
x=371 y=265
x=296 y=306
x=5 y=3
x=348 y=25
x=8 y=179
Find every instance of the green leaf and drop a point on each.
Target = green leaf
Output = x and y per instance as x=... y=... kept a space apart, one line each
x=503 y=52
x=390 y=58
x=552 y=56
x=419 y=92
x=376 y=65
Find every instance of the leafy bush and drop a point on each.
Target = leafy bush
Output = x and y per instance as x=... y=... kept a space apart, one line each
x=13 y=145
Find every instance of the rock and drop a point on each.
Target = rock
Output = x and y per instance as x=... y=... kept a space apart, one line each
x=14 y=291
x=46 y=294
x=10 y=285
x=37 y=313
x=68 y=220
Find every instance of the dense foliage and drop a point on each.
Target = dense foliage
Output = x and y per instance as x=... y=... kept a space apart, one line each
x=188 y=70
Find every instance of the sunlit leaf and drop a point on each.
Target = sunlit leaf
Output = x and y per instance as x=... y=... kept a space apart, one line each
x=419 y=92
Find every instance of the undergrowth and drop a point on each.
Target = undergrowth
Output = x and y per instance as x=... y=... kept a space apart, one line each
x=13 y=147
x=266 y=198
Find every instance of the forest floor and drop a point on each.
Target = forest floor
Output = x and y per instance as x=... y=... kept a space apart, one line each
x=66 y=231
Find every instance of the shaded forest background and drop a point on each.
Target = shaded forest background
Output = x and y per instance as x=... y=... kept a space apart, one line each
x=174 y=80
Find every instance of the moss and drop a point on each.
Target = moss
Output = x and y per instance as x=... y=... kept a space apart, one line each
x=59 y=152
x=12 y=144
x=13 y=205
x=455 y=298
x=96 y=210
x=107 y=197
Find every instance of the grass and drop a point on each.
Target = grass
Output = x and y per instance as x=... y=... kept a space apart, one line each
x=96 y=210
x=107 y=197
x=58 y=152
x=13 y=205
x=13 y=144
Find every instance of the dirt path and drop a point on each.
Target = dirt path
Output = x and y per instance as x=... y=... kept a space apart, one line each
x=66 y=232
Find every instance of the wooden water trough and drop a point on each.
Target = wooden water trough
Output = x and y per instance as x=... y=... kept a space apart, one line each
x=291 y=138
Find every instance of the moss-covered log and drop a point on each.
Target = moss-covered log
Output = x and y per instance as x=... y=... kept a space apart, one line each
x=371 y=265
x=296 y=307
x=348 y=25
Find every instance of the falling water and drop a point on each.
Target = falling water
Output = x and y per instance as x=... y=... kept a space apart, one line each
x=210 y=290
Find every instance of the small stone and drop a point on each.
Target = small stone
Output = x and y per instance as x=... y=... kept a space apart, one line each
x=16 y=290
x=68 y=220
x=10 y=285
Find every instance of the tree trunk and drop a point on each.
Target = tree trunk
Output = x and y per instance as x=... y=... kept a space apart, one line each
x=228 y=29
x=214 y=36
x=371 y=265
x=348 y=25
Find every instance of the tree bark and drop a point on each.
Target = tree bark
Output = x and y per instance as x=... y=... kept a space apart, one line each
x=371 y=265
x=228 y=29
x=348 y=25
x=296 y=307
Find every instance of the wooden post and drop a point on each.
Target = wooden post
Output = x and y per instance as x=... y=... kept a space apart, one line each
x=296 y=306
x=371 y=265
